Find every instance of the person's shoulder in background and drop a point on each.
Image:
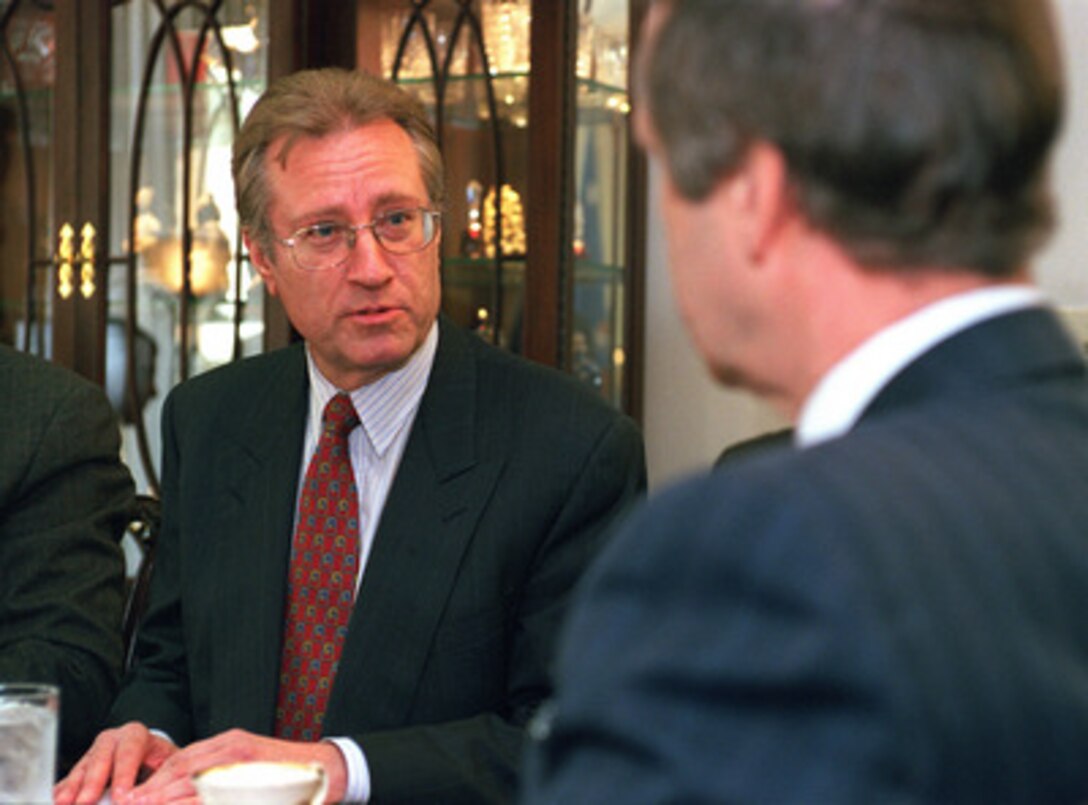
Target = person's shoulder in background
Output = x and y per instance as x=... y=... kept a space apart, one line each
x=24 y=376
x=746 y=448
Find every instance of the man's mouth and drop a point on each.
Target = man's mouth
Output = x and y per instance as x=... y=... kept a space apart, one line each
x=372 y=312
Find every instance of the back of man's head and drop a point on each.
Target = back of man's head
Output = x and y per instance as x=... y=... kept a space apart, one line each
x=916 y=132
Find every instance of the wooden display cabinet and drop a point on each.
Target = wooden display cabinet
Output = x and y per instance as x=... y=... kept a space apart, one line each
x=120 y=254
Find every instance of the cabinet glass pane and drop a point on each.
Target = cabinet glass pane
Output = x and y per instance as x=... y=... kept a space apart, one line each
x=181 y=298
x=27 y=75
x=469 y=63
x=598 y=346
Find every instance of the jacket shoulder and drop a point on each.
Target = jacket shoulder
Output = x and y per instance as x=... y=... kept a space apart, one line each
x=242 y=379
x=41 y=383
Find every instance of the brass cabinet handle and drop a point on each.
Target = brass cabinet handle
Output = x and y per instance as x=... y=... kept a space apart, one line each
x=67 y=258
x=86 y=255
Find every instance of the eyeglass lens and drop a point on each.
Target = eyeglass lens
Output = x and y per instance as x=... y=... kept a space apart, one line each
x=398 y=232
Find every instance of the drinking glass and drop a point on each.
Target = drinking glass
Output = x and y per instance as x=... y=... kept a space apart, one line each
x=28 y=742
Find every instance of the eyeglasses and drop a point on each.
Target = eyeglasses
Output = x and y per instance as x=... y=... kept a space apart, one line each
x=327 y=245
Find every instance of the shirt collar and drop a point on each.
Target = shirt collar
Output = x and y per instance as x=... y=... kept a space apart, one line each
x=842 y=394
x=386 y=405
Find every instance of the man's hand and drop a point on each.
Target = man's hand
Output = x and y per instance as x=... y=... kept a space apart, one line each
x=171 y=780
x=116 y=758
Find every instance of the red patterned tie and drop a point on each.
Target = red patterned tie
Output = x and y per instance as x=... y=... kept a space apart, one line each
x=321 y=581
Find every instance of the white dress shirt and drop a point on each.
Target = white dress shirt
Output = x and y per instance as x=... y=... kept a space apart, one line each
x=386 y=408
x=842 y=394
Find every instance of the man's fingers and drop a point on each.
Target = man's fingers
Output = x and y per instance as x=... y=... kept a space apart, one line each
x=87 y=780
x=115 y=759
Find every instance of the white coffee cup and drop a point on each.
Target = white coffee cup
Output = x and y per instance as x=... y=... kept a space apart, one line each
x=264 y=782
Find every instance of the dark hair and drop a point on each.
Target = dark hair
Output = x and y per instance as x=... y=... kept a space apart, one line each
x=315 y=103
x=915 y=132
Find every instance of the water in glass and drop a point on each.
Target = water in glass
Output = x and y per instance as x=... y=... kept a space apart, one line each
x=28 y=743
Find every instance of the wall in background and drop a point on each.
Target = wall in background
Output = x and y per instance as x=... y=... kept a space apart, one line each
x=1062 y=268
x=688 y=419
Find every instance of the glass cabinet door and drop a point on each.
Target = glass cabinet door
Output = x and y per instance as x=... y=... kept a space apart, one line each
x=599 y=325
x=120 y=245
x=516 y=162
x=181 y=297
x=27 y=80
x=469 y=64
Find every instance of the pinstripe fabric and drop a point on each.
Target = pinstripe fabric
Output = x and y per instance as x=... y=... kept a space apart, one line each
x=893 y=616
x=65 y=499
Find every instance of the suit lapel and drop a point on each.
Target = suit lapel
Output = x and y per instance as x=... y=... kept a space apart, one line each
x=1000 y=351
x=428 y=521
x=257 y=518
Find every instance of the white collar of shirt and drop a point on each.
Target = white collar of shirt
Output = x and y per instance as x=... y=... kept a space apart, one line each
x=842 y=394
x=384 y=406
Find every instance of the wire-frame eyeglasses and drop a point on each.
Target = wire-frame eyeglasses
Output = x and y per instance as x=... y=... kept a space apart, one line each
x=327 y=245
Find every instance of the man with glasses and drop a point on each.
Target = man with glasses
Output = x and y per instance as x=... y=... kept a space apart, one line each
x=369 y=538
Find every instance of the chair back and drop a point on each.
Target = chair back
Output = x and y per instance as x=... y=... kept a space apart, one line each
x=144 y=530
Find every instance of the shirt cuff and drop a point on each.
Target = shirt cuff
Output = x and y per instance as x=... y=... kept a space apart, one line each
x=358 y=785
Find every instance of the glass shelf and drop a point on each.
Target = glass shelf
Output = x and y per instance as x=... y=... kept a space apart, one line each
x=467 y=272
x=588 y=83
x=466 y=103
x=591 y=271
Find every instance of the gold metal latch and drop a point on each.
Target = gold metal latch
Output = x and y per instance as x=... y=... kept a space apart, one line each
x=68 y=259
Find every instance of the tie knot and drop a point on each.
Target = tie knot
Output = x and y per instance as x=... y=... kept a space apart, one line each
x=340 y=416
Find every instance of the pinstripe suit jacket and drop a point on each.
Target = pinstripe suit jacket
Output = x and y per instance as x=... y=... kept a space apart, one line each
x=65 y=499
x=510 y=478
x=899 y=615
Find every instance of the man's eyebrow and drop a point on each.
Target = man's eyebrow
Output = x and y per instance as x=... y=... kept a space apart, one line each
x=320 y=213
x=392 y=198
x=397 y=197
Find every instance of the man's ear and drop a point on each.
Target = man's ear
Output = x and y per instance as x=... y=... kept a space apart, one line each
x=763 y=193
x=260 y=261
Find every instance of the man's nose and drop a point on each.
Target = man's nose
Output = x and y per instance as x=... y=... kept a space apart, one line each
x=368 y=263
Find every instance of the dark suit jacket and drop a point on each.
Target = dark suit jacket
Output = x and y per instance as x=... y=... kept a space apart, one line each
x=65 y=498
x=897 y=615
x=510 y=478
